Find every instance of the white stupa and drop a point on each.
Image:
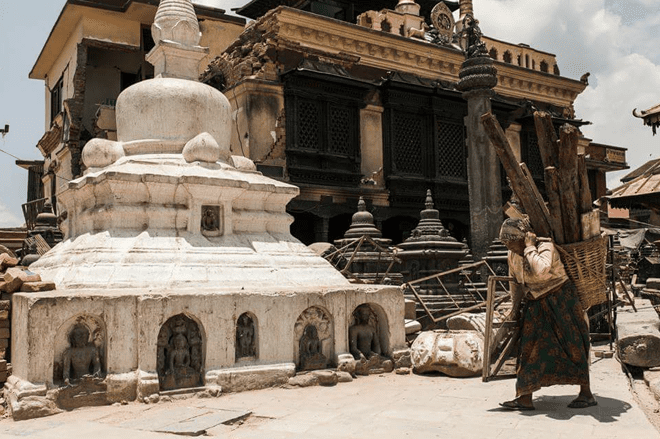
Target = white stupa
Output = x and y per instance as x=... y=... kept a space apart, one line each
x=174 y=246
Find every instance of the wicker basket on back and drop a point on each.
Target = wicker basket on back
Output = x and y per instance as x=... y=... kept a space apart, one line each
x=585 y=265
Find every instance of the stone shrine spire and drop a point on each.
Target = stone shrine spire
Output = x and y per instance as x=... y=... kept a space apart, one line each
x=430 y=227
x=176 y=33
x=363 y=223
x=176 y=22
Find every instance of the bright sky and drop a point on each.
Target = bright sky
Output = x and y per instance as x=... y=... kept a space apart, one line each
x=617 y=41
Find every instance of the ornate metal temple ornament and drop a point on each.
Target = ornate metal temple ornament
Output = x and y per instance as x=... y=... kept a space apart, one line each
x=179 y=354
x=443 y=25
x=472 y=34
x=477 y=73
x=246 y=338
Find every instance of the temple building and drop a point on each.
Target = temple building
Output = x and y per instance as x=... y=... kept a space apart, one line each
x=344 y=99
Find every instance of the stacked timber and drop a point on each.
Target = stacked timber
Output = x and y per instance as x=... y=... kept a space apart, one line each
x=568 y=218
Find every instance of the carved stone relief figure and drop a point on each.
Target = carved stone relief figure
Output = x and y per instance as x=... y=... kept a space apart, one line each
x=364 y=343
x=246 y=338
x=311 y=356
x=82 y=357
x=313 y=339
x=210 y=225
x=179 y=354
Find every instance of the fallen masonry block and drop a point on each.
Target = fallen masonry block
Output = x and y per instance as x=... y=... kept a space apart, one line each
x=15 y=277
x=7 y=261
x=639 y=335
x=653 y=283
x=5 y=309
x=454 y=353
x=34 y=287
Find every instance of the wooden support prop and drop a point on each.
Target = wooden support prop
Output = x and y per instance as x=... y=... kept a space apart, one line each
x=548 y=141
x=488 y=332
x=519 y=183
x=568 y=183
x=535 y=190
x=586 y=203
x=552 y=189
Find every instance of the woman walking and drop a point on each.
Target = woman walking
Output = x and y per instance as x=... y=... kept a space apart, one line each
x=554 y=340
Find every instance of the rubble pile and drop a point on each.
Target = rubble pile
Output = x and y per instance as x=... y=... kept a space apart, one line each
x=13 y=279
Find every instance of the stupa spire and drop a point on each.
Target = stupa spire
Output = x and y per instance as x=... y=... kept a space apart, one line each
x=363 y=223
x=176 y=22
x=177 y=35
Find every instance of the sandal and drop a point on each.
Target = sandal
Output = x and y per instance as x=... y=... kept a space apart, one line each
x=582 y=403
x=516 y=405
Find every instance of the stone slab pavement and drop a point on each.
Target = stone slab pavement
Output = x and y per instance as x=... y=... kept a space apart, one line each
x=381 y=406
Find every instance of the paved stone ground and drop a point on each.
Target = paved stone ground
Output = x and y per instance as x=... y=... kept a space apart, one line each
x=387 y=406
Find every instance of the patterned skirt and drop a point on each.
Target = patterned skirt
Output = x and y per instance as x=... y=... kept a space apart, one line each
x=554 y=342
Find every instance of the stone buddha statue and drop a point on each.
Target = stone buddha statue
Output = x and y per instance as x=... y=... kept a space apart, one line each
x=311 y=355
x=82 y=357
x=363 y=338
x=364 y=344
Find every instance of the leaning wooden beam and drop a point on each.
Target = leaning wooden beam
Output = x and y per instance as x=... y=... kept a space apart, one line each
x=448 y=272
x=568 y=183
x=535 y=191
x=505 y=353
x=488 y=332
x=519 y=184
x=547 y=137
x=554 y=202
x=586 y=203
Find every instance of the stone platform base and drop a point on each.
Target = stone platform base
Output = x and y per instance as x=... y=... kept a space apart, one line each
x=130 y=330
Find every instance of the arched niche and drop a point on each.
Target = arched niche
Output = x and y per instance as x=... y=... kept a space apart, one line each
x=373 y=316
x=247 y=337
x=180 y=353
x=313 y=339
x=79 y=349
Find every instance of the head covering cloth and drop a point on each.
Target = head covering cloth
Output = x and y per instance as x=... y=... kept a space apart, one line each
x=514 y=229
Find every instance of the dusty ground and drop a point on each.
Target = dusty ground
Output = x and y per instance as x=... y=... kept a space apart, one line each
x=381 y=406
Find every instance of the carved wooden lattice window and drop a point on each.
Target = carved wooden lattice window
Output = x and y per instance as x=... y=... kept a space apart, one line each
x=407 y=144
x=450 y=155
x=323 y=136
x=340 y=141
x=309 y=124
